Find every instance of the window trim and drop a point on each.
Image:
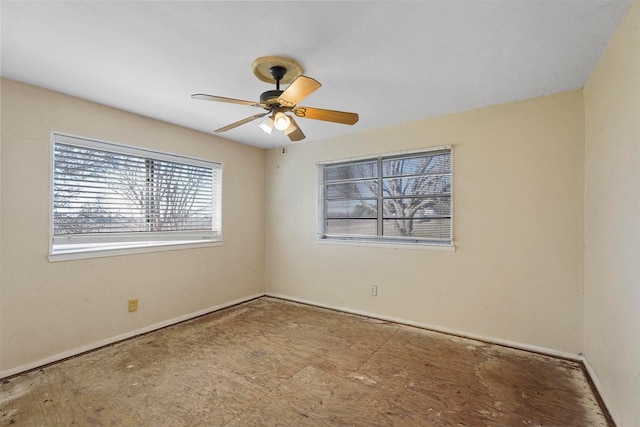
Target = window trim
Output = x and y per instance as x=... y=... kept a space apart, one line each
x=87 y=253
x=398 y=242
x=124 y=243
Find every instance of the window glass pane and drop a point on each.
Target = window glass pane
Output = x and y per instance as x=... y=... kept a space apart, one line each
x=418 y=228
x=352 y=208
x=415 y=197
x=353 y=190
x=364 y=227
x=103 y=196
x=351 y=171
x=416 y=185
x=418 y=207
x=425 y=164
x=101 y=192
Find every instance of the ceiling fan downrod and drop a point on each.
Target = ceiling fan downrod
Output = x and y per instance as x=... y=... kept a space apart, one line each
x=278 y=73
x=269 y=97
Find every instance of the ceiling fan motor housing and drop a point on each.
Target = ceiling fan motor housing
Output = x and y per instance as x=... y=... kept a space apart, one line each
x=270 y=97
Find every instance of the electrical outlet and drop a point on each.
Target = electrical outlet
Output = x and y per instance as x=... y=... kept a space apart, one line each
x=133 y=305
x=373 y=291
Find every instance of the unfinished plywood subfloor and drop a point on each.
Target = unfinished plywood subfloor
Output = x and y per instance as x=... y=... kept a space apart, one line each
x=271 y=362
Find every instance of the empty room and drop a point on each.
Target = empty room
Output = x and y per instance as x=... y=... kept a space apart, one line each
x=320 y=213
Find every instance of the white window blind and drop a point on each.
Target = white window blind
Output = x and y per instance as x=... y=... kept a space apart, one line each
x=402 y=198
x=108 y=195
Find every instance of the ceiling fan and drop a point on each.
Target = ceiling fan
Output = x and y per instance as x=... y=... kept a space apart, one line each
x=278 y=103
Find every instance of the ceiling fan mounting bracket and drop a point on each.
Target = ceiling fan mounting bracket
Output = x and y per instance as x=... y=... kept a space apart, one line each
x=278 y=72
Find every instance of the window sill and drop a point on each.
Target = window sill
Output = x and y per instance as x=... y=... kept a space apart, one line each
x=390 y=245
x=138 y=248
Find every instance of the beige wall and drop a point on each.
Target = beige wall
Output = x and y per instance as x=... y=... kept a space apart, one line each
x=51 y=308
x=517 y=271
x=541 y=219
x=612 y=221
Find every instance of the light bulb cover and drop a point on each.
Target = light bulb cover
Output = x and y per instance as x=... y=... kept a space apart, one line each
x=281 y=121
x=267 y=125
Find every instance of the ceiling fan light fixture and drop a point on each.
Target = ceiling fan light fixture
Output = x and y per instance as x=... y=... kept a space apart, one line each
x=267 y=125
x=278 y=70
x=281 y=121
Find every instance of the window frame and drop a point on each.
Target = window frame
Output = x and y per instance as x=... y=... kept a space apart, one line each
x=124 y=243
x=379 y=240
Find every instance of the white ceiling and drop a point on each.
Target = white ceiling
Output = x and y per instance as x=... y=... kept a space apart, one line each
x=389 y=61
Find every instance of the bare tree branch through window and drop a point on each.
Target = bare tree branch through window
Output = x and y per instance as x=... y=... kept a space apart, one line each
x=404 y=197
x=107 y=193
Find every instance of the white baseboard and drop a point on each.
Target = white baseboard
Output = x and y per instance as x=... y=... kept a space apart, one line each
x=126 y=335
x=598 y=385
x=436 y=328
x=513 y=344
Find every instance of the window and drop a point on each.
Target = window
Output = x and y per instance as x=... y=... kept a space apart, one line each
x=107 y=196
x=400 y=198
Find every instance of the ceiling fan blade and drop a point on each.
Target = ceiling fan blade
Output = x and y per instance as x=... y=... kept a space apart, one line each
x=327 y=115
x=241 y=122
x=299 y=89
x=206 y=97
x=297 y=134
